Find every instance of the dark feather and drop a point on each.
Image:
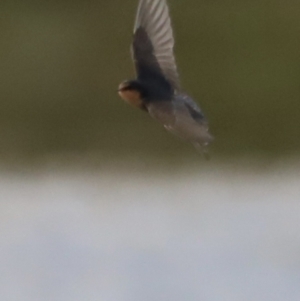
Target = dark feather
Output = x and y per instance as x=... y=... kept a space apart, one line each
x=153 y=43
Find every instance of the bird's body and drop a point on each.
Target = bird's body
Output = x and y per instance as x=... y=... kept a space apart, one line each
x=157 y=89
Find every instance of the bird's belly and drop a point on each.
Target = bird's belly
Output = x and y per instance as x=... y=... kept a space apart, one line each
x=162 y=112
x=177 y=120
x=190 y=130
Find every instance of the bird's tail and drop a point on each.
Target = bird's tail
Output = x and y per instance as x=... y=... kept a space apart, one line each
x=203 y=149
x=201 y=145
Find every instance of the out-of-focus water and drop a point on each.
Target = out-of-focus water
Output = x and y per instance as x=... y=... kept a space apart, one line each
x=112 y=236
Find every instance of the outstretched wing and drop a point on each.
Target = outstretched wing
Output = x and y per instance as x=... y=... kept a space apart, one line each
x=153 y=42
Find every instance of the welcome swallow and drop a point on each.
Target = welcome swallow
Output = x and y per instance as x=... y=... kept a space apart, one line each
x=156 y=88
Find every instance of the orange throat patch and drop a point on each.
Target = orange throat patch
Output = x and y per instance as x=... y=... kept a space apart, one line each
x=133 y=97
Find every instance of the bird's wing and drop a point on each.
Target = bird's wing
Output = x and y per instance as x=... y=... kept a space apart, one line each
x=193 y=109
x=153 y=42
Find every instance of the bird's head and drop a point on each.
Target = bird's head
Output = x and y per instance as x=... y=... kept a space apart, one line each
x=129 y=85
x=131 y=92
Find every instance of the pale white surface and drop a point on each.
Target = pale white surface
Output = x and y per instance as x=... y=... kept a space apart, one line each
x=207 y=236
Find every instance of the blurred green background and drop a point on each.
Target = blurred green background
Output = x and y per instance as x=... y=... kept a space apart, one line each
x=61 y=62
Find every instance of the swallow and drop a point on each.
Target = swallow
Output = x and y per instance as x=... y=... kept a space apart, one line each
x=156 y=88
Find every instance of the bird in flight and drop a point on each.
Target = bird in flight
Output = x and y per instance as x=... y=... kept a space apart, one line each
x=156 y=88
